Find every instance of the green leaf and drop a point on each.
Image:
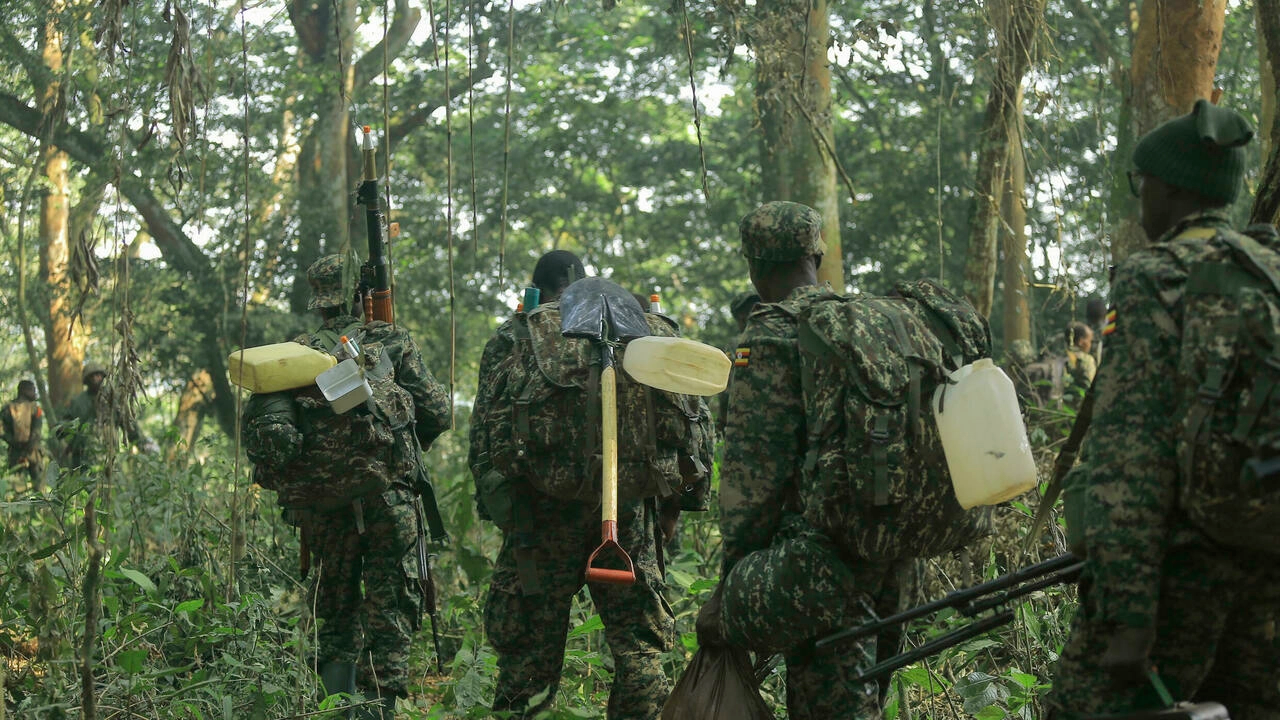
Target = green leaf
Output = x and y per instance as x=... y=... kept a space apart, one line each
x=588 y=626
x=142 y=580
x=991 y=712
x=131 y=661
x=1023 y=679
x=189 y=605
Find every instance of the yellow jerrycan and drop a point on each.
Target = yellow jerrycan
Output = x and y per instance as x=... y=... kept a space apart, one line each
x=677 y=365
x=983 y=436
x=282 y=366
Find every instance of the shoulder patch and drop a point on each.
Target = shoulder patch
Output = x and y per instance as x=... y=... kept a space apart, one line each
x=742 y=357
x=1110 y=325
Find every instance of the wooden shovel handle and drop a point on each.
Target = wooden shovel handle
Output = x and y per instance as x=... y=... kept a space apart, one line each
x=609 y=434
x=609 y=489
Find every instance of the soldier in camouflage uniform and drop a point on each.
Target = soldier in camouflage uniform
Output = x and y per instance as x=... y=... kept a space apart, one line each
x=23 y=420
x=76 y=422
x=784 y=584
x=1156 y=591
x=378 y=555
x=545 y=545
x=1081 y=365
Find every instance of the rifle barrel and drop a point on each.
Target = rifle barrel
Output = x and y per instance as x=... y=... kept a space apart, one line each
x=936 y=645
x=956 y=599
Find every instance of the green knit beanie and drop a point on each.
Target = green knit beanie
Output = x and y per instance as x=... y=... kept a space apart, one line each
x=1202 y=151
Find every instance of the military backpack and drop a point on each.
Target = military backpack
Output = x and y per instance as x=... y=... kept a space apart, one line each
x=875 y=477
x=542 y=422
x=1228 y=440
x=316 y=459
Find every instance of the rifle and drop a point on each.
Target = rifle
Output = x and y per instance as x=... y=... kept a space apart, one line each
x=991 y=595
x=373 y=297
x=373 y=294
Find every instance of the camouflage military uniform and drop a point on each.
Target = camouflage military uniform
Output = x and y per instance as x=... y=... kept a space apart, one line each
x=389 y=609
x=76 y=425
x=1213 y=610
x=785 y=584
x=540 y=568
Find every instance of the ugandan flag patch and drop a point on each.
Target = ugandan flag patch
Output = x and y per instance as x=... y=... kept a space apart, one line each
x=742 y=357
x=1110 y=325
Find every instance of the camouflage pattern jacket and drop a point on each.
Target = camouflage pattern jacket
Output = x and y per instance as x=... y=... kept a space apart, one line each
x=1129 y=467
x=765 y=436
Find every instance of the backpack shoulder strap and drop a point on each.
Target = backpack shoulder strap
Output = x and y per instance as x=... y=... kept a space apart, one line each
x=1249 y=252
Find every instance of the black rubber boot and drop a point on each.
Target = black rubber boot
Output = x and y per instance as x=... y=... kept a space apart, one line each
x=339 y=677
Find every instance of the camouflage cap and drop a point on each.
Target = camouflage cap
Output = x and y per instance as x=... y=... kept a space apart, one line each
x=781 y=231
x=91 y=368
x=325 y=278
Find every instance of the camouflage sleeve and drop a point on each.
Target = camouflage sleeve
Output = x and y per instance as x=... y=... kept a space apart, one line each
x=764 y=444
x=495 y=350
x=432 y=411
x=1131 y=486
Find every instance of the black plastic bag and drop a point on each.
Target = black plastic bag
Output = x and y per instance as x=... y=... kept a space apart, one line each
x=718 y=685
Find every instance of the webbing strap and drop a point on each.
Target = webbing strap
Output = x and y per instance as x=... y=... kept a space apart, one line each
x=526 y=547
x=912 y=354
x=807 y=388
x=1208 y=394
x=651 y=431
x=1264 y=385
x=1250 y=249
x=880 y=456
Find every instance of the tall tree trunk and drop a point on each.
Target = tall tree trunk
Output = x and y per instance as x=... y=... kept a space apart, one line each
x=1013 y=232
x=793 y=99
x=1017 y=23
x=1266 y=205
x=64 y=356
x=193 y=405
x=1175 y=54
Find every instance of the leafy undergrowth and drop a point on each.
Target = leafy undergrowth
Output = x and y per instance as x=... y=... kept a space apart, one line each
x=203 y=616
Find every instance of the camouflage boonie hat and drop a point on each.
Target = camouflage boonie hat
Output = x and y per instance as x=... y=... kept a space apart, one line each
x=782 y=231
x=325 y=278
x=90 y=369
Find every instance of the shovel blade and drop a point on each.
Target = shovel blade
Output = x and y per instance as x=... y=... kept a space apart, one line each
x=677 y=365
x=598 y=309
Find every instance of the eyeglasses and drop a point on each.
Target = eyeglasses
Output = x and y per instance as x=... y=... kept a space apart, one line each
x=1135 y=183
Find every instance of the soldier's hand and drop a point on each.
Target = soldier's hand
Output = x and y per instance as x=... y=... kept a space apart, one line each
x=1127 y=657
x=708 y=623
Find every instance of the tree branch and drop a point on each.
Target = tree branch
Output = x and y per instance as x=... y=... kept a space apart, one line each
x=178 y=250
x=399 y=33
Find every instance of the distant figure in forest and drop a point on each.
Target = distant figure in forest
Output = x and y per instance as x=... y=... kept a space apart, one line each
x=350 y=481
x=546 y=539
x=76 y=423
x=1081 y=365
x=1176 y=488
x=23 y=420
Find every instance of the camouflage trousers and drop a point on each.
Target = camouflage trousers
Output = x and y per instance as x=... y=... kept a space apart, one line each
x=374 y=624
x=1215 y=640
x=781 y=599
x=526 y=616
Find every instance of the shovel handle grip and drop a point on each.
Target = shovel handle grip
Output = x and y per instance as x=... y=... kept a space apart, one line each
x=609 y=544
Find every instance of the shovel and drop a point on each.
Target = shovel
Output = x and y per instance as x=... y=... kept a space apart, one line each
x=677 y=365
x=604 y=313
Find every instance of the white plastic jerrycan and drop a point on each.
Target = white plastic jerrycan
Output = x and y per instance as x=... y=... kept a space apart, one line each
x=983 y=435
